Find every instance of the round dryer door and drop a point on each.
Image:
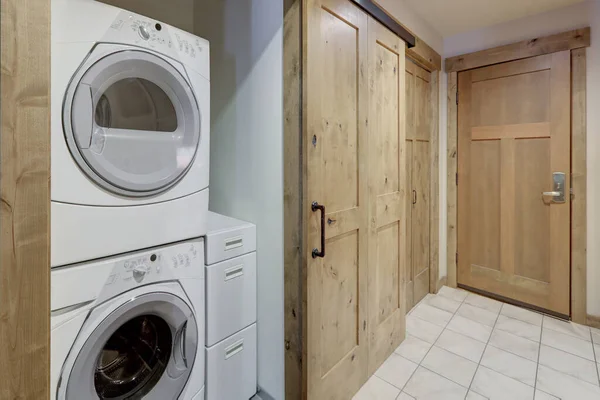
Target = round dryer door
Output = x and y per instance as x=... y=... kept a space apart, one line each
x=131 y=121
x=144 y=349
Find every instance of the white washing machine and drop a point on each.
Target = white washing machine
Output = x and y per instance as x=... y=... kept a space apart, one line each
x=130 y=132
x=130 y=327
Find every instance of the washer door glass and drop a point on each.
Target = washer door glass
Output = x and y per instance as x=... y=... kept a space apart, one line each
x=145 y=348
x=134 y=358
x=132 y=122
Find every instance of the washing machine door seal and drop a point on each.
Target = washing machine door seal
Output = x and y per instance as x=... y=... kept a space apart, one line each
x=131 y=120
x=145 y=348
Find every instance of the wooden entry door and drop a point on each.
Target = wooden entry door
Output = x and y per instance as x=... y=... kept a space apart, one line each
x=336 y=149
x=418 y=179
x=513 y=135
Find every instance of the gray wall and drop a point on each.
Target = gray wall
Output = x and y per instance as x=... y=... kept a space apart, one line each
x=246 y=176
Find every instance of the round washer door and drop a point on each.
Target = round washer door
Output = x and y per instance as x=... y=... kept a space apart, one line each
x=144 y=349
x=131 y=121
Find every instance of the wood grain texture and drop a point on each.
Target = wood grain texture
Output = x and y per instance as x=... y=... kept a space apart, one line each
x=335 y=147
x=578 y=183
x=387 y=193
x=528 y=48
x=452 y=168
x=434 y=213
x=292 y=198
x=25 y=200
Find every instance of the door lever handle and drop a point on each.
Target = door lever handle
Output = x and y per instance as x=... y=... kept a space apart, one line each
x=558 y=183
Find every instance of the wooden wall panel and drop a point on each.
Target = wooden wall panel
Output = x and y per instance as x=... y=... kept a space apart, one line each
x=25 y=200
x=292 y=199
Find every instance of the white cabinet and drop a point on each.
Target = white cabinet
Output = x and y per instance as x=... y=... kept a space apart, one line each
x=231 y=353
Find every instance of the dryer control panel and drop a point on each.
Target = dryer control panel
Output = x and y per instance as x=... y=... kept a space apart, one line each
x=141 y=31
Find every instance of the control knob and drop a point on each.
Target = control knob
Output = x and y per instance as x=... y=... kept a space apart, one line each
x=143 y=31
x=139 y=271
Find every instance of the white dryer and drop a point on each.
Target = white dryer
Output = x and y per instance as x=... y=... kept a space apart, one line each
x=130 y=327
x=130 y=132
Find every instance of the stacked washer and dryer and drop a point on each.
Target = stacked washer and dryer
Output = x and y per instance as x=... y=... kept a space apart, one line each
x=130 y=171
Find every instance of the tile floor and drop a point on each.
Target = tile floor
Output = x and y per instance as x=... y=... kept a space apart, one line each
x=463 y=346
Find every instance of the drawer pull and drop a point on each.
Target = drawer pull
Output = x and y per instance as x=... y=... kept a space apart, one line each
x=234 y=272
x=234 y=349
x=233 y=243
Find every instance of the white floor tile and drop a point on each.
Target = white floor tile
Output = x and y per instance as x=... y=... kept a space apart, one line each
x=474 y=396
x=570 y=344
x=539 y=395
x=565 y=386
x=425 y=384
x=449 y=365
x=454 y=294
x=483 y=302
x=515 y=344
x=510 y=365
x=569 y=364
x=431 y=314
x=404 y=396
x=522 y=314
x=568 y=328
x=413 y=348
x=477 y=314
x=442 y=303
x=422 y=329
x=461 y=345
x=519 y=328
x=396 y=370
x=377 y=389
x=595 y=335
x=470 y=328
x=496 y=386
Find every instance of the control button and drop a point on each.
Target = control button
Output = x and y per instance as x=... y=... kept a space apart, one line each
x=140 y=271
x=143 y=31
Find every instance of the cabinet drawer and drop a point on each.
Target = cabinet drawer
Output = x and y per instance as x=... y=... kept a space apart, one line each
x=231 y=367
x=230 y=297
x=228 y=238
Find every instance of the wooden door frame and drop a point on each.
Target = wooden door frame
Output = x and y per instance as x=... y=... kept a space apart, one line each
x=25 y=200
x=576 y=41
x=294 y=227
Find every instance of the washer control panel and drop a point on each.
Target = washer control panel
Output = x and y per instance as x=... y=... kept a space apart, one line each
x=183 y=260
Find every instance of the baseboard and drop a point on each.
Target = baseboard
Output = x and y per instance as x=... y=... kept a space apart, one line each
x=593 y=321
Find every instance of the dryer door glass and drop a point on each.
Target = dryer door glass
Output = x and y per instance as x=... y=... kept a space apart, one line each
x=132 y=122
x=145 y=348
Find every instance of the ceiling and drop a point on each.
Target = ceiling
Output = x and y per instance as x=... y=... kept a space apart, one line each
x=456 y=16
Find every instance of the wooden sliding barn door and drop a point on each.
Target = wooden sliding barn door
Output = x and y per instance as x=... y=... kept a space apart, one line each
x=387 y=192
x=336 y=146
x=513 y=143
x=418 y=180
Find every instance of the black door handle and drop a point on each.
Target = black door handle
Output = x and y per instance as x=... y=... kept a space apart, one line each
x=316 y=253
x=414 y=197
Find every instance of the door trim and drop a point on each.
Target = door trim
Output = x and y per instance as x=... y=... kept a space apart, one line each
x=25 y=200
x=576 y=41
